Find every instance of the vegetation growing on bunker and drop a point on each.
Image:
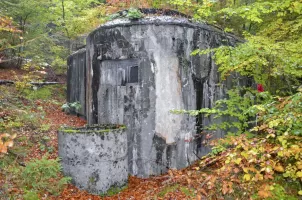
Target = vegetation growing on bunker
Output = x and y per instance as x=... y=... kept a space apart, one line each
x=131 y=13
x=97 y=129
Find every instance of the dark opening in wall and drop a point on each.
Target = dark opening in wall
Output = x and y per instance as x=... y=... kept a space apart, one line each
x=198 y=85
x=133 y=78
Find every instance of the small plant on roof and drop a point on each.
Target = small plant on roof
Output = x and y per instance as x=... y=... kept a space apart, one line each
x=113 y=16
x=134 y=13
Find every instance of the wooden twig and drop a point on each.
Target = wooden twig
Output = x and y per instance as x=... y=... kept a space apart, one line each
x=5 y=82
x=197 y=155
x=45 y=83
x=211 y=163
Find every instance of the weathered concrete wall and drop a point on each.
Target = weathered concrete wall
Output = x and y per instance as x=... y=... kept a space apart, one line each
x=95 y=157
x=138 y=71
x=76 y=80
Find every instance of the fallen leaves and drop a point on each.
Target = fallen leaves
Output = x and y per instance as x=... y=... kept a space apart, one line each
x=265 y=192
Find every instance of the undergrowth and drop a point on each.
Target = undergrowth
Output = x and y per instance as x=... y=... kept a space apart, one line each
x=265 y=160
x=22 y=114
x=41 y=175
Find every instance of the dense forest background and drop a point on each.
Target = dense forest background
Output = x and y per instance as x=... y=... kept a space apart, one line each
x=261 y=159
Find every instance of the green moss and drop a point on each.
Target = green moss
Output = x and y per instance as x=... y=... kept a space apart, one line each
x=167 y=190
x=173 y=188
x=113 y=191
x=43 y=93
x=187 y=191
x=98 y=129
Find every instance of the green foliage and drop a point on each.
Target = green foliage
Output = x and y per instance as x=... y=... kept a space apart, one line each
x=113 y=16
x=184 y=5
x=113 y=191
x=134 y=14
x=31 y=195
x=280 y=193
x=271 y=52
x=22 y=115
x=271 y=55
x=282 y=116
x=67 y=107
x=19 y=117
x=8 y=32
x=217 y=149
x=237 y=111
x=274 y=150
x=45 y=127
x=42 y=175
x=49 y=26
x=19 y=109
x=43 y=93
x=81 y=17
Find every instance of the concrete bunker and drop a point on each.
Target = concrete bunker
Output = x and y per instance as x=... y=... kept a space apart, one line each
x=137 y=71
x=96 y=157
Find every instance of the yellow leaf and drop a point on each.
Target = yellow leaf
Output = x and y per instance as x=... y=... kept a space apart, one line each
x=237 y=161
x=275 y=148
x=247 y=177
x=244 y=154
x=300 y=192
x=255 y=129
x=299 y=165
x=280 y=154
x=274 y=123
x=279 y=168
x=299 y=174
x=271 y=135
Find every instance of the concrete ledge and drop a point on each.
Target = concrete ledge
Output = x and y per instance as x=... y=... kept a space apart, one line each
x=95 y=157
